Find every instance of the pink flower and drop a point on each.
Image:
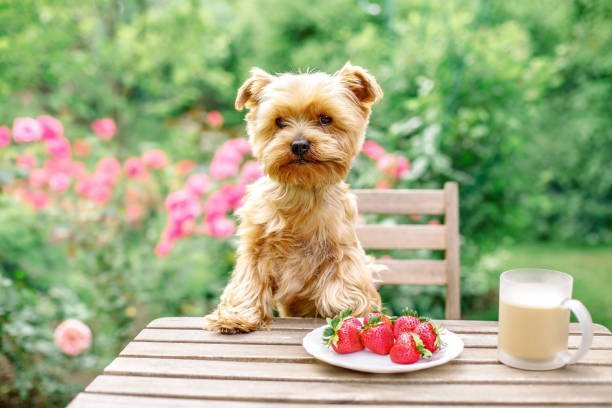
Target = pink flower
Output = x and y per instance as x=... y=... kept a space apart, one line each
x=386 y=163
x=215 y=119
x=182 y=206
x=95 y=188
x=134 y=168
x=72 y=337
x=164 y=247
x=251 y=171
x=5 y=136
x=81 y=148
x=434 y=222
x=58 y=147
x=241 y=145
x=222 y=170
x=227 y=158
x=109 y=167
x=36 y=199
x=26 y=161
x=133 y=212
x=402 y=167
x=233 y=194
x=27 y=130
x=197 y=184
x=155 y=159
x=216 y=206
x=59 y=181
x=383 y=185
x=184 y=166
x=52 y=128
x=373 y=150
x=105 y=128
x=221 y=227
x=37 y=177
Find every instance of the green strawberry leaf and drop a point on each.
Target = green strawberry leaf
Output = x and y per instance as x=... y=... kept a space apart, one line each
x=421 y=347
x=409 y=312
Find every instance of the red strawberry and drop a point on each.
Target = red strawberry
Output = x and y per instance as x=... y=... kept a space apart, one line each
x=383 y=316
x=408 y=349
x=377 y=336
x=406 y=323
x=428 y=332
x=343 y=333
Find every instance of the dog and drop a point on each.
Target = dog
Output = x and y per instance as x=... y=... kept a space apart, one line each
x=298 y=250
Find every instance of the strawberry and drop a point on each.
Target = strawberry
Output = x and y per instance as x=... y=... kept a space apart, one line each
x=408 y=349
x=381 y=313
x=342 y=334
x=428 y=332
x=377 y=335
x=406 y=323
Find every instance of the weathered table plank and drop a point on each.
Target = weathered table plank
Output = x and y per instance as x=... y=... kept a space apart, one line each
x=334 y=392
x=452 y=372
x=173 y=363
x=482 y=340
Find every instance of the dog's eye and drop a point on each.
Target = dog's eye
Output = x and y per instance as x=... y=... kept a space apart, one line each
x=325 y=120
x=280 y=123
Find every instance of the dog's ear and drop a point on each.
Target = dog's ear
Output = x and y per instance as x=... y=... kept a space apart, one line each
x=250 y=92
x=360 y=83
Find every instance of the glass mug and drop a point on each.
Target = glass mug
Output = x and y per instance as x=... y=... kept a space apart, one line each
x=534 y=307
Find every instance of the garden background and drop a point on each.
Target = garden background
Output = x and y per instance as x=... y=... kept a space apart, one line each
x=122 y=157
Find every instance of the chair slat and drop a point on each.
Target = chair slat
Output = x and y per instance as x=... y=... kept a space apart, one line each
x=413 y=272
x=400 y=201
x=402 y=236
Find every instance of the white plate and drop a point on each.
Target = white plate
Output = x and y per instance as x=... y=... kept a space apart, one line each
x=369 y=362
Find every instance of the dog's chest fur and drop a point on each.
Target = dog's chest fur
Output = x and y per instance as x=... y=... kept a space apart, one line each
x=298 y=232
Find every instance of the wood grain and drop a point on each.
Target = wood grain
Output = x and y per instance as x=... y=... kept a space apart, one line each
x=400 y=201
x=413 y=272
x=402 y=236
x=451 y=220
x=448 y=373
x=298 y=391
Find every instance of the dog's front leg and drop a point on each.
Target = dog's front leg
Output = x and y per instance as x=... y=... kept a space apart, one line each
x=348 y=285
x=246 y=303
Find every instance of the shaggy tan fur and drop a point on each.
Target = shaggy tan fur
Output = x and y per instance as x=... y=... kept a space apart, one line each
x=298 y=248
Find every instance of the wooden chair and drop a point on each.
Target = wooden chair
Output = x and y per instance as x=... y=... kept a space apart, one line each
x=439 y=237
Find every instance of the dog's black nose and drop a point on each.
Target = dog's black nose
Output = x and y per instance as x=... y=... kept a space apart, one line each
x=300 y=147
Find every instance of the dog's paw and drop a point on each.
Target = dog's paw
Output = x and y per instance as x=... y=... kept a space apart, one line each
x=223 y=323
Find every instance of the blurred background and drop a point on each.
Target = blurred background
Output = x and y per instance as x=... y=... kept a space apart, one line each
x=122 y=158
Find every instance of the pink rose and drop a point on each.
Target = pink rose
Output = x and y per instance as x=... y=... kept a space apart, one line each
x=216 y=206
x=36 y=199
x=233 y=194
x=27 y=130
x=26 y=161
x=5 y=136
x=220 y=169
x=155 y=159
x=52 y=128
x=72 y=337
x=239 y=144
x=221 y=227
x=37 y=177
x=402 y=167
x=95 y=189
x=215 y=119
x=59 y=181
x=58 y=147
x=105 y=128
x=227 y=158
x=251 y=171
x=386 y=163
x=163 y=248
x=373 y=150
x=134 y=168
x=133 y=212
x=81 y=148
x=184 y=166
x=383 y=185
x=109 y=167
x=182 y=206
x=197 y=184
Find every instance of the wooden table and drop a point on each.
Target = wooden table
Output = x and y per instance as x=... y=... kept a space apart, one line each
x=173 y=363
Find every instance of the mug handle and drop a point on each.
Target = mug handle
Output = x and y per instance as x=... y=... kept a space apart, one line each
x=586 y=328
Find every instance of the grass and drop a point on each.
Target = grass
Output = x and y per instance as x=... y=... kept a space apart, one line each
x=590 y=267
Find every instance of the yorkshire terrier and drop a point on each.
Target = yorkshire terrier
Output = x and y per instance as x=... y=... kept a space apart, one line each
x=298 y=249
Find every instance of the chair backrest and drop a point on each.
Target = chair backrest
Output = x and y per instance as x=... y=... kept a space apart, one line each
x=439 y=237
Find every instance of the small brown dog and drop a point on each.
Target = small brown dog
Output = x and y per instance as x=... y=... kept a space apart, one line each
x=298 y=247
